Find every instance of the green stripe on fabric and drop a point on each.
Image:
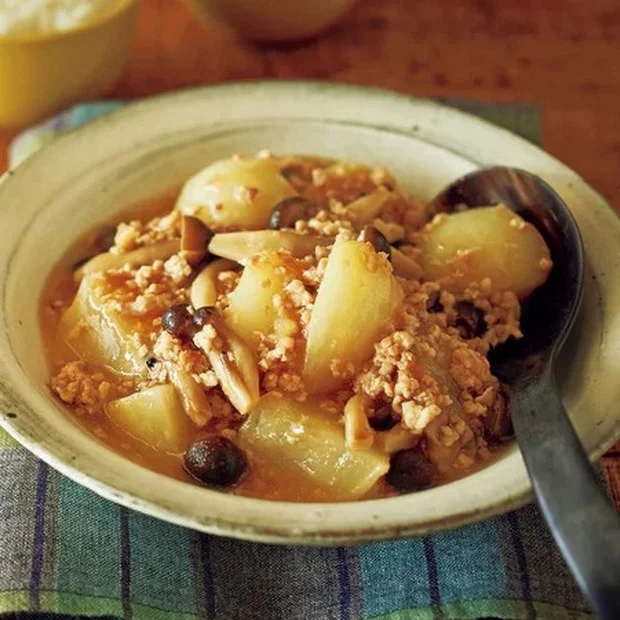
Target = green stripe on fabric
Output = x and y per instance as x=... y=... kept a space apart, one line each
x=161 y=565
x=144 y=612
x=72 y=603
x=463 y=573
x=6 y=441
x=77 y=604
x=88 y=550
x=14 y=601
x=472 y=610
x=380 y=568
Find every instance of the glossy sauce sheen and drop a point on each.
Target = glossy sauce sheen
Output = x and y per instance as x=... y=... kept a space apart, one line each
x=262 y=479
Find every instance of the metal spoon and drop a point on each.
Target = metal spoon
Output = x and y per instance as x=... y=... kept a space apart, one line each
x=585 y=526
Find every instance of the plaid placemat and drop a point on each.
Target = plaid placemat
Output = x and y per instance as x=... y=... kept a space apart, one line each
x=65 y=550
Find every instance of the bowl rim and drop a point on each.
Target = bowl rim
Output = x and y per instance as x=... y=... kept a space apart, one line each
x=261 y=532
x=123 y=6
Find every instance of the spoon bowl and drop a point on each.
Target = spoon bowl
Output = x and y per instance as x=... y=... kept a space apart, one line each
x=564 y=483
x=548 y=315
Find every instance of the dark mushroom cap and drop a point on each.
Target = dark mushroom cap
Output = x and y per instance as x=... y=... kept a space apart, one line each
x=470 y=321
x=410 y=471
x=215 y=460
x=377 y=239
x=179 y=322
x=289 y=211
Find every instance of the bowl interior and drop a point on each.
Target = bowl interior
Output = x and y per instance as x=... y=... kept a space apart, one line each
x=88 y=177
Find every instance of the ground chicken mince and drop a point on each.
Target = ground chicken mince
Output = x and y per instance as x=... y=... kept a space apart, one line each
x=293 y=328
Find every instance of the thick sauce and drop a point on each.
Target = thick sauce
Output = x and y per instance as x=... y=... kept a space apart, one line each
x=263 y=479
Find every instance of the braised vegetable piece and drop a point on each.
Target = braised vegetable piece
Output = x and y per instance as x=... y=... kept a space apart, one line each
x=291 y=210
x=489 y=242
x=341 y=364
x=232 y=360
x=470 y=321
x=154 y=416
x=366 y=208
x=354 y=309
x=410 y=471
x=241 y=246
x=301 y=436
x=391 y=231
x=142 y=256
x=99 y=334
x=203 y=291
x=194 y=398
x=195 y=237
x=215 y=460
x=251 y=312
x=404 y=266
x=357 y=431
x=376 y=239
x=235 y=193
x=395 y=439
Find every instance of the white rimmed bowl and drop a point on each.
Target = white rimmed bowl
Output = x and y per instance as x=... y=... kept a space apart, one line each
x=86 y=177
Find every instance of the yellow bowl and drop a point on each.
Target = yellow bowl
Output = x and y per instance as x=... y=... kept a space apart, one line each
x=41 y=72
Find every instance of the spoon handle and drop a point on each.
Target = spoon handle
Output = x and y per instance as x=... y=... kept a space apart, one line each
x=585 y=526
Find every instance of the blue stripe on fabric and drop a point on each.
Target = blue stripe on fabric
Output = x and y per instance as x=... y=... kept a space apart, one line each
x=469 y=563
x=39 y=532
x=208 y=588
x=123 y=517
x=344 y=583
x=393 y=576
x=160 y=564
x=515 y=533
x=88 y=546
x=431 y=569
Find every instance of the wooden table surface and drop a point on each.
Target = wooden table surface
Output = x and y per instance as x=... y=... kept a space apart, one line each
x=565 y=57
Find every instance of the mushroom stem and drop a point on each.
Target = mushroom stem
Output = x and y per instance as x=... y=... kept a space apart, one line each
x=231 y=382
x=357 y=431
x=142 y=256
x=404 y=266
x=232 y=361
x=367 y=208
x=195 y=237
x=192 y=395
x=241 y=246
x=395 y=440
x=204 y=288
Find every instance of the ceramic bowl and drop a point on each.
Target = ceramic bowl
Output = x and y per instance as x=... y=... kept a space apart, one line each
x=86 y=177
x=272 y=20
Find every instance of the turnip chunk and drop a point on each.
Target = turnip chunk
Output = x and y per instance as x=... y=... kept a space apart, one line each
x=251 y=312
x=154 y=416
x=354 y=309
x=491 y=243
x=237 y=193
x=302 y=437
x=99 y=334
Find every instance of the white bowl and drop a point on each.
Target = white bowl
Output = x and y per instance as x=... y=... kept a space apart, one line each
x=82 y=179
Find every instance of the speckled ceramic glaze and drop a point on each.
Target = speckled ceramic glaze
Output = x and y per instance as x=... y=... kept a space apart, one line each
x=84 y=178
